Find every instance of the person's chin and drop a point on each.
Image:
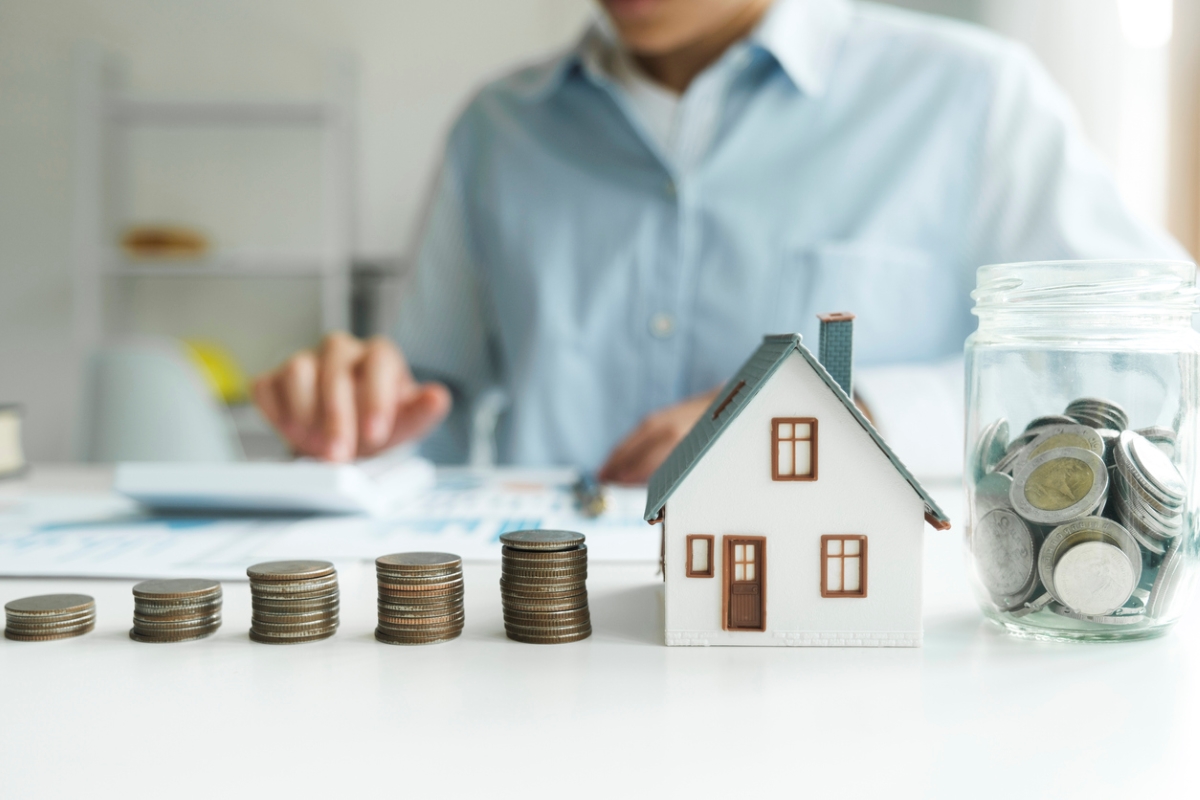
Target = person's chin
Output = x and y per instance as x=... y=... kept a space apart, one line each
x=632 y=11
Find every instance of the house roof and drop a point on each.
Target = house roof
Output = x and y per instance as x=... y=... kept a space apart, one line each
x=740 y=390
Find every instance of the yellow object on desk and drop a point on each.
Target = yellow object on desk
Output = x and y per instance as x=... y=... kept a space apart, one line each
x=220 y=369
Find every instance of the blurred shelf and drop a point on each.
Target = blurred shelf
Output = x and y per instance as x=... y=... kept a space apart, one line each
x=149 y=111
x=221 y=265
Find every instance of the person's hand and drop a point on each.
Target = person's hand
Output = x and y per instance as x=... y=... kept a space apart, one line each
x=635 y=459
x=349 y=398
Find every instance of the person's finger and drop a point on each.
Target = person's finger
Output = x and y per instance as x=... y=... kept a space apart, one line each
x=297 y=385
x=267 y=400
x=381 y=376
x=340 y=354
x=427 y=406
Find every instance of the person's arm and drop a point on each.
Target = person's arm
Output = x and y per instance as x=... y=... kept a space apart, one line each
x=349 y=398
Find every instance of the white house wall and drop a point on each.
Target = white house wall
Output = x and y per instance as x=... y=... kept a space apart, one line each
x=857 y=491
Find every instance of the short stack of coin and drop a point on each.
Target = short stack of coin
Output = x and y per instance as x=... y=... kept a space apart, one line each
x=420 y=598
x=1079 y=516
x=293 y=601
x=49 y=616
x=543 y=586
x=175 y=610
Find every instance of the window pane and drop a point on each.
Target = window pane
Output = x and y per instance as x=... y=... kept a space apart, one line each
x=749 y=552
x=803 y=430
x=833 y=574
x=700 y=555
x=803 y=464
x=750 y=571
x=833 y=547
x=785 y=457
x=739 y=572
x=853 y=577
x=739 y=552
x=785 y=430
x=851 y=547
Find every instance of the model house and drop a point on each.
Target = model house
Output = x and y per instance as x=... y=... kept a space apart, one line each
x=786 y=518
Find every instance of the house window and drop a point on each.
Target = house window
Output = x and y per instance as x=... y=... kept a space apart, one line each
x=843 y=566
x=699 y=556
x=794 y=449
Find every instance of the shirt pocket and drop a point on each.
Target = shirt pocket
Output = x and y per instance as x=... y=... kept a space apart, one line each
x=901 y=302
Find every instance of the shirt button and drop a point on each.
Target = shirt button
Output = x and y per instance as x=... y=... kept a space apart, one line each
x=662 y=325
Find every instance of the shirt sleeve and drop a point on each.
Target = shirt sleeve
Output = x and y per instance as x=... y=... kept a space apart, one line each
x=443 y=323
x=1043 y=193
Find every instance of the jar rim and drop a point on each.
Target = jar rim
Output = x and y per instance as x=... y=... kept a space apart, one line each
x=1162 y=285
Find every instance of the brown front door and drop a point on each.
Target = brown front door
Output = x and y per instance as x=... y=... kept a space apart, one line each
x=745 y=583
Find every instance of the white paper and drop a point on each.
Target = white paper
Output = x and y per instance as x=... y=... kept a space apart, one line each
x=101 y=535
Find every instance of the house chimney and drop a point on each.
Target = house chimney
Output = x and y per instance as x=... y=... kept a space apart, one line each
x=837 y=347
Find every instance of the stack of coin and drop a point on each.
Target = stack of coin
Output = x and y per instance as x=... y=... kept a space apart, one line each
x=1151 y=493
x=543 y=586
x=293 y=601
x=49 y=616
x=175 y=610
x=1098 y=413
x=420 y=598
x=1079 y=516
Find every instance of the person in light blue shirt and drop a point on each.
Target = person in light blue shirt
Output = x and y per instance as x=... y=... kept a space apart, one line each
x=615 y=229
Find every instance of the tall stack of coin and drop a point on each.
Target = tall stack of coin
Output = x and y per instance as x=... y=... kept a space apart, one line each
x=420 y=598
x=49 y=616
x=175 y=610
x=1079 y=516
x=543 y=586
x=293 y=601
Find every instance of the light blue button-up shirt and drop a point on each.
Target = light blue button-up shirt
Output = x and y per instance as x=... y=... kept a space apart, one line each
x=844 y=157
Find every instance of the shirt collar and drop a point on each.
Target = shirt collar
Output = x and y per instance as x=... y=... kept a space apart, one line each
x=803 y=36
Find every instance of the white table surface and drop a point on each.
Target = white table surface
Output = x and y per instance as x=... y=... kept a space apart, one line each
x=974 y=713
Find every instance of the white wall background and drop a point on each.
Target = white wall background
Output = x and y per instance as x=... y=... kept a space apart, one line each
x=418 y=63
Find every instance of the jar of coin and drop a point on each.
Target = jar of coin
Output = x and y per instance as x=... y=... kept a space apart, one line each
x=1082 y=383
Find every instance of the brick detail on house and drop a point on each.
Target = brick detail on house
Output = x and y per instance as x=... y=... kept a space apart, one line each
x=837 y=348
x=850 y=638
x=806 y=639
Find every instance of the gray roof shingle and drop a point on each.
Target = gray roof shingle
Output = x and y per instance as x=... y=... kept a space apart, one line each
x=751 y=378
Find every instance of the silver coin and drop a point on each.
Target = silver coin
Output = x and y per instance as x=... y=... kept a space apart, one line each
x=49 y=604
x=418 y=562
x=542 y=540
x=1049 y=419
x=993 y=441
x=1167 y=582
x=562 y=638
x=1133 y=613
x=1098 y=413
x=1005 y=550
x=1164 y=439
x=1073 y=435
x=1156 y=466
x=1088 y=529
x=289 y=570
x=274 y=639
x=1094 y=578
x=1059 y=485
x=176 y=588
x=1033 y=606
x=992 y=492
x=512 y=555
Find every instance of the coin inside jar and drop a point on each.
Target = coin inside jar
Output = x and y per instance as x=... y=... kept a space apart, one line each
x=1094 y=578
x=1059 y=485
x=1005 y=551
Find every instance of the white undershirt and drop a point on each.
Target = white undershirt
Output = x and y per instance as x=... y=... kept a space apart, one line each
x=656 y=106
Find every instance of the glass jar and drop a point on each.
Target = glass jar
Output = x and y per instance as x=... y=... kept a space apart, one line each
x=1082 y=392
